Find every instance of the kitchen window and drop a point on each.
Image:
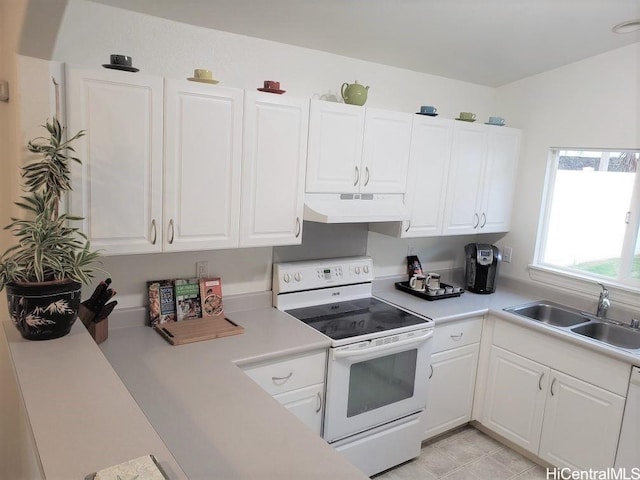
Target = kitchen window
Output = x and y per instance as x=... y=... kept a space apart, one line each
x=591 y=216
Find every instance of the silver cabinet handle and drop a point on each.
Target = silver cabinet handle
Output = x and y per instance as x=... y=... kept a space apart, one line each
x=173 y=231
x=408 y=226
x=155 y=231
x=552 y=384
x=430 y=372
x=357 y=176
x=298 y=227
x=457 y=337
x=476 y=218
x=281 y=380
x=627 y=218
x=319 y=403
x=484 y=220
x=366 y=171
x=540 y=381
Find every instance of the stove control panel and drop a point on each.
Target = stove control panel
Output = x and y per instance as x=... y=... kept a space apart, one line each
x=316 y=274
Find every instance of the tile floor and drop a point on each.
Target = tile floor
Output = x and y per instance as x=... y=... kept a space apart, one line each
x=467 y=454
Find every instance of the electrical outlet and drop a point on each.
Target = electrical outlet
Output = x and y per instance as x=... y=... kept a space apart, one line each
x=202 y=269
x=410 y=250
x=507 y=252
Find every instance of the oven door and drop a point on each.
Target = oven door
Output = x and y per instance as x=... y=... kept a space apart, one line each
x=375 y=382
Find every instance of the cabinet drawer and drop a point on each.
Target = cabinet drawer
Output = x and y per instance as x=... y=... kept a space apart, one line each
x=290 y=373
x=457 y=334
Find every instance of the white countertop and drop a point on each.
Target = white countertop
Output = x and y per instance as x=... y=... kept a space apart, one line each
x=196 y=409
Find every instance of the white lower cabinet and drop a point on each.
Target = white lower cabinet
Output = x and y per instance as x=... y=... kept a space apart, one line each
x=306 y=404
x=297 y=382
x=452 y=376
x=563 y=419
x=581 y=424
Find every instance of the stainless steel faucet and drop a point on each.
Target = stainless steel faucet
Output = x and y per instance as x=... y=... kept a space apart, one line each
x=603 y=302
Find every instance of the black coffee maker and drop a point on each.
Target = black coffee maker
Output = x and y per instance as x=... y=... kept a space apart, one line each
x=482 y=264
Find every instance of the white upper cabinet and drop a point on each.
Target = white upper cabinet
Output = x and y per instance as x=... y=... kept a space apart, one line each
x=500 y=178
x=465 y=178
x=336 y=133
x=385 y=154
x=118 y=188
x=203 y=155
x=354 y=149
x=275 y=146
x=481 y=179
x=427 y=179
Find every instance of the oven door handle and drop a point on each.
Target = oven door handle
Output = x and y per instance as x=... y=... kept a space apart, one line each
x=378 y=348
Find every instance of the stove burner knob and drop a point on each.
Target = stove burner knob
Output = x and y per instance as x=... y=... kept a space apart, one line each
x=357 y=270
x=297 y=277
x=366 y=269
x=286 y=278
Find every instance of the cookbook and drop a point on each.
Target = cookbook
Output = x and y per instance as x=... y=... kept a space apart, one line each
x=162 y=304
x=211 y=296
x=188 y=303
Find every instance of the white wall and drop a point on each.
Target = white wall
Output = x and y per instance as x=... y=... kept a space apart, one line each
x=591 y=103
x=90 y=32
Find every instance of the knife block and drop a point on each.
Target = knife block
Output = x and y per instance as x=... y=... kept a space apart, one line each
x=98 y=330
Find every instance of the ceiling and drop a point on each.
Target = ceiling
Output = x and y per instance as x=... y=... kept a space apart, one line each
x=488 y=42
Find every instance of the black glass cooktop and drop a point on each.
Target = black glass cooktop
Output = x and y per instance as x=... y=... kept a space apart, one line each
x=355 y=317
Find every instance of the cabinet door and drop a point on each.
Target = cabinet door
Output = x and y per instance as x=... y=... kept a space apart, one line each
x=427 y=177
x=203 y=154
x=500 y=178
x=464 y=185
x=118 y=187
x=581 y=424
x=451 y=386
x=306 y=404
x=273 y=169
x=515 y=398
x=335 y=147
x=385 y=155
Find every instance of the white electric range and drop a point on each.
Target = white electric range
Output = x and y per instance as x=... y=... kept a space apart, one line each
x=378 y=361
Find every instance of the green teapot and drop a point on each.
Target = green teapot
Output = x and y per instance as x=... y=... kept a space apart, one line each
x=354 y=94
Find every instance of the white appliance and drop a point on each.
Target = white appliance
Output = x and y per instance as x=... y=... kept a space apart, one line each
x=628 y=455
x=378 y=361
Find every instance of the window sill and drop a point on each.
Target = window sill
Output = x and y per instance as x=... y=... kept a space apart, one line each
x=552 y=277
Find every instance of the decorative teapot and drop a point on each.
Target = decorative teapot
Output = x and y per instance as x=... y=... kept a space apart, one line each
x=354 y=94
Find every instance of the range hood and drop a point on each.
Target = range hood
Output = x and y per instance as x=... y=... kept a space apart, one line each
x=354 y=208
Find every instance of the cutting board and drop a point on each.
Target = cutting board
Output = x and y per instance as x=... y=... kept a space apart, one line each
x=195 y=330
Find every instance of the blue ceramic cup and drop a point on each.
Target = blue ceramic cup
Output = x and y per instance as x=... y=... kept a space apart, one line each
x=496 y=120
x=428 y=109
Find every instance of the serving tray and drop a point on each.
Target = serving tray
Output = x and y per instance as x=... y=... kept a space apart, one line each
x=404 y=286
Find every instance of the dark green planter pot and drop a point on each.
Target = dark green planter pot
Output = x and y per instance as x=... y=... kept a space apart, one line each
x=46 y=310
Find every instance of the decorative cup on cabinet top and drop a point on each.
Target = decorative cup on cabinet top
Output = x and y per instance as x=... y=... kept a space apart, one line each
x=418 y=282
x=120 y=62
x=496 y=121
x=271 y=85
x=428 y=109
x=203 y=75
x=354 y=94
x=467 y=116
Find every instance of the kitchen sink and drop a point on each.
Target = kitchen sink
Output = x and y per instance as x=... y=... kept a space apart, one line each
x=550 y=313
x=609 y=333
x=576 y=322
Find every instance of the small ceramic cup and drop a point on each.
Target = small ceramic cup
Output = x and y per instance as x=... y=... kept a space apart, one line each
x=202 y=74
x=433 y=280
x=467 y=116
x=121 y=60
x=417 y=282
x=271 y=85
x=428 y=109
x=496 y=120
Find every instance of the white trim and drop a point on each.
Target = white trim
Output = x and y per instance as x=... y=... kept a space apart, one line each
x=624 y=295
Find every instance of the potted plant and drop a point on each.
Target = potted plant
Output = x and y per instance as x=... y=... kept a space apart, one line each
x=43 y=272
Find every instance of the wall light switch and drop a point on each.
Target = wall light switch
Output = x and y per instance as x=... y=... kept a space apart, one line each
x=4 y=91
x=506 y=254
x=202 y=269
